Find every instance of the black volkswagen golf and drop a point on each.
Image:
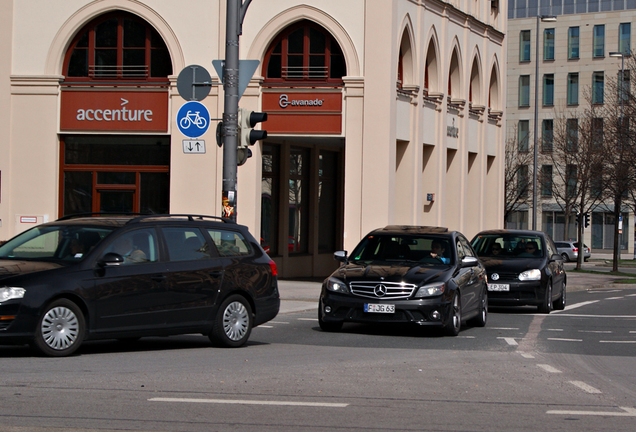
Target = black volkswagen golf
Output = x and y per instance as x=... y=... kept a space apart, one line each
x=89 y=278
x=407 y=274
x=524 y=268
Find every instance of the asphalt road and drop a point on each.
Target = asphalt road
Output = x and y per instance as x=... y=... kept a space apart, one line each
x=571 y=370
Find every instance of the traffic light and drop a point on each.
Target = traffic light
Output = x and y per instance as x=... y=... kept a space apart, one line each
x=247 y=135
x=587 y=220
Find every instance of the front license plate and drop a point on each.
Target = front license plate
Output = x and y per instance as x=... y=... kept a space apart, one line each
x=379 y=308
x=498 y=287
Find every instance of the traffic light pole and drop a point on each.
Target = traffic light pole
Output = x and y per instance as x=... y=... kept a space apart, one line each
x=234 y=20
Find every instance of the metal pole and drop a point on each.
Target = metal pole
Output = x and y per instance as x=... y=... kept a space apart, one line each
x=230 y=111
x=536 y=119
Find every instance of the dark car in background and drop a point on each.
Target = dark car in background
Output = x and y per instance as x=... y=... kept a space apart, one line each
x=86 y=278
x=428 y=276
x=524 y=268
x=569 y=250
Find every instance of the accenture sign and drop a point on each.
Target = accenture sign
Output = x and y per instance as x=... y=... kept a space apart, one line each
x=114 y=111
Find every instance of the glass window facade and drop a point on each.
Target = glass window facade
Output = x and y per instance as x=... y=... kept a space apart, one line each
x=523 y=131
x=532 y=8
x=573 y=43
x=573 y=89
x=548 y=44
x=548 y=89
x=524 y=46
x=599 y=41
x=547 y=135
x=524 y=90
x=598 y=87
x=624 y=38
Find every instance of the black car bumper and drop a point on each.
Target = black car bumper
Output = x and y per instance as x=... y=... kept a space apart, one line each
x=528 y=293
x=343 y=308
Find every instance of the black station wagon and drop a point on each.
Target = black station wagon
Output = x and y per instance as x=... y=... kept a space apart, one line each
x=87 y=278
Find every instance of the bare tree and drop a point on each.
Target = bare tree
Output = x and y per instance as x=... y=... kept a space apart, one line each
x=619 y=175
x=517 y=186
x=577 y=156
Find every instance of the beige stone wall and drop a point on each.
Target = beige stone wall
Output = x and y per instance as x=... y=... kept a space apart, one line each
x=398 y=148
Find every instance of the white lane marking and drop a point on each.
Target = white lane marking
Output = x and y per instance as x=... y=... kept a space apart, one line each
x=630 y=295
x=619 y=342
x=251 y=402
x=265 y=326
x=510 y=341
x=614 y=298
x=565 y=340
x=578 y=305
x=585 y=387
x=631 y=331
x=502 y=328
x=466 y=337
x=548 y=368
x=557 y=330
x=526 y=355
x=603 y=291
x=278 y=322
x=307 y=319
x=596 y=331
x=592 y=316
x=629 y=412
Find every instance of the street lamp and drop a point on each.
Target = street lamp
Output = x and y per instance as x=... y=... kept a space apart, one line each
x=544 y=18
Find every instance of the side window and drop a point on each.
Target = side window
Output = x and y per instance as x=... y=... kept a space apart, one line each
x=460 y=251
x=186 y=244
x=137 y=247
x=230 y=243
x=468 y=250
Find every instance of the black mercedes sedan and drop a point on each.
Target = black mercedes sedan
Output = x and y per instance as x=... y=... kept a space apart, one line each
x=428 y=276
x=84 y=278
x=524 y=268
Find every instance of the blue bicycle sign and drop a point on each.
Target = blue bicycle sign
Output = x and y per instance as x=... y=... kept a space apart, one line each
x=193 y=119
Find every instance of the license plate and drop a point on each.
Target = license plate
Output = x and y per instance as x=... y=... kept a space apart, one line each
x=498 y=287
x=379 y=308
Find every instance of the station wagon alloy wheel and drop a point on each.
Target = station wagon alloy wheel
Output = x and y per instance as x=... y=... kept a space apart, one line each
x=233 y=325
x=61 y=329
x=235 y=321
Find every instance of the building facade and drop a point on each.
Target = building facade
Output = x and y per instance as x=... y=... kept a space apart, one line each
x=380 y=112
x=575 y=66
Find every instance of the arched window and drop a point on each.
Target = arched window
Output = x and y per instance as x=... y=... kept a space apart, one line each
x=304 y=53
x=117 y=47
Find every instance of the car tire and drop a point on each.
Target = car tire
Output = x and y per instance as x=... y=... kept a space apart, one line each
x=566 y=257
x=454 y=323
x=233 y=322
x=546 y=306
x=327 y=325
x=60 y=330
x=482 y=316
x=561 y=302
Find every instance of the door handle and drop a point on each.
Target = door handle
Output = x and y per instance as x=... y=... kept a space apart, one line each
x=158 y=278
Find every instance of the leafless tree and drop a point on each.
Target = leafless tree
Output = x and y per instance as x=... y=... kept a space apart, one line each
x=517 y=186
x=577 y=156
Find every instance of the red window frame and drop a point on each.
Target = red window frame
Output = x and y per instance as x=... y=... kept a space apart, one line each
x=120 y=77
x=282 y=38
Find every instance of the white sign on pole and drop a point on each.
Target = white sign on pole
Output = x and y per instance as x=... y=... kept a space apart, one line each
x=194 y=146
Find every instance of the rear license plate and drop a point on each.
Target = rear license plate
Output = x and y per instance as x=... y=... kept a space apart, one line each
x=498 y=287
x=379 y=308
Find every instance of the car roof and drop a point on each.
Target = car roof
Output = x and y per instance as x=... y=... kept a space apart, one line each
x=411 y=229
x=98 y=219
x=512 y=232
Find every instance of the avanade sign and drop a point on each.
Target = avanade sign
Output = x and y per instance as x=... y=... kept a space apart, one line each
x=137 y=111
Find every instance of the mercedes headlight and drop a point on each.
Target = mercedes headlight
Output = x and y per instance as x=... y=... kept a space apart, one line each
x=337 y=285
x=431 y=290
x=10 y=293
x=530 y=275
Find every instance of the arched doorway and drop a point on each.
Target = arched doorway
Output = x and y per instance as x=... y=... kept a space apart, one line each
x=114 y=147
x=303 y=158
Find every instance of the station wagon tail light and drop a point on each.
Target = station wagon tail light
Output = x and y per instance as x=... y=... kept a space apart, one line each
x=528 y=275
x=11 y=293
x=272 y=265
